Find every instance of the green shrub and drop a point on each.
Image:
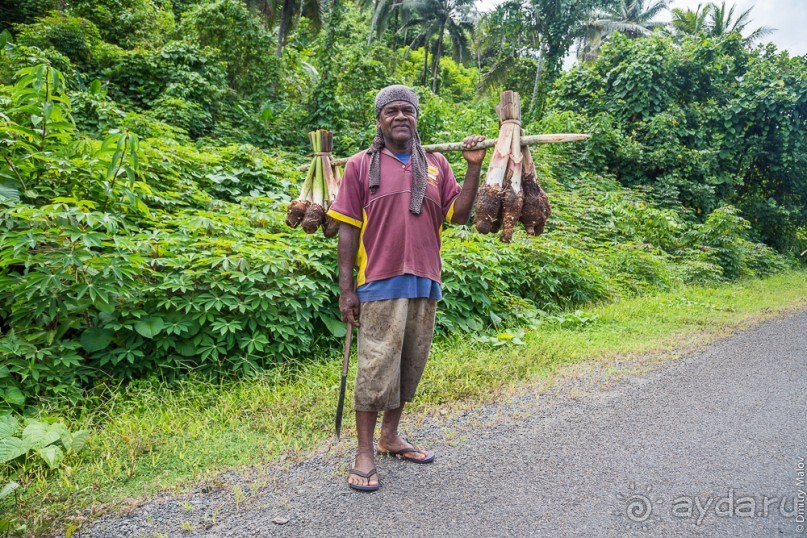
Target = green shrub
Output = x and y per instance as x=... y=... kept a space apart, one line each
x=131 y=257
x=72 y=36
x=128 y=23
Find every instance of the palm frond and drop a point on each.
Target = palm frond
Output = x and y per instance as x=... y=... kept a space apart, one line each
x=496 y=76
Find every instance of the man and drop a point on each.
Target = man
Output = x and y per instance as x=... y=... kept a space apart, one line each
x=391 y=206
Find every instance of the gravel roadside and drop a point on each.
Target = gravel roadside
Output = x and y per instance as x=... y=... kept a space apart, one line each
x=710 y=444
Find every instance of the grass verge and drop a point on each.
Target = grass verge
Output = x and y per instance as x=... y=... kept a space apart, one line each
x=151 y=437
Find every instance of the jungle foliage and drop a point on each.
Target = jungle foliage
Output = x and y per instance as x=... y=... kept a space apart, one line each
x=147 y=158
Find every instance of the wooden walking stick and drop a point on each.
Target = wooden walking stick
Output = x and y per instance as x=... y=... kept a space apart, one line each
x=345 y=362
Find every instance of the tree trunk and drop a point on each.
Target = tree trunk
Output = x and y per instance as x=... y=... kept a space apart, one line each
x=537 y=83
x=285 y=18
x=372 y=23
x=426 y=61
x=436 y=60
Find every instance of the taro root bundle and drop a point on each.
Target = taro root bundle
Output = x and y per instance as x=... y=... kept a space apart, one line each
x=319 y=189
x=510 y=192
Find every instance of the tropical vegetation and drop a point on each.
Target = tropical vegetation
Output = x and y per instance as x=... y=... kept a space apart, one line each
x=149 y=151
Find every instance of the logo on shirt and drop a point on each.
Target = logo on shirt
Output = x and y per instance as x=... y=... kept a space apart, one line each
x=433 y=175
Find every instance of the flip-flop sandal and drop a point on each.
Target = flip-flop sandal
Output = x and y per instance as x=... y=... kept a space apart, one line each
x=367 y=475
x=402 y=454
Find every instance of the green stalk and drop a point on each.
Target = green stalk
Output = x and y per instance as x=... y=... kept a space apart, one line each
x=305 y=190
x=319 y=197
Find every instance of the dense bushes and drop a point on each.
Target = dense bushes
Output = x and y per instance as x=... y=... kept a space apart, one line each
x=142 y=214
x=704 y=124
x=127 y=258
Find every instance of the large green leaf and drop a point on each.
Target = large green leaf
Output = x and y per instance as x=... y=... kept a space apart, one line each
x=95 y=339
x=337 y=328
x=9 y=192
x=8 y=489
x=40 y=434
x=14 y=396
x=186 y=348
x=149 y=327
x=12 y=448
x=8 y=425
x=52 y=455
x=78 y=440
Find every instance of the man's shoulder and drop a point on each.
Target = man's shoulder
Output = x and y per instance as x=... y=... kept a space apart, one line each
x=357 y=158
x=437 y=156
x=438 y=159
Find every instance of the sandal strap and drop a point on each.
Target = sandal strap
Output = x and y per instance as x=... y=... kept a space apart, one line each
x=407 y=450
x=368 y=474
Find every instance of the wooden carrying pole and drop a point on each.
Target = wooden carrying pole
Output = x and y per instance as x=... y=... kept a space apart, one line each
x=488 y=143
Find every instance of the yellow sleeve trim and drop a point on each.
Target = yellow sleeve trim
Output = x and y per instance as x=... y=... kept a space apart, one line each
x=361 y=255
x=450 y=214
x=344 y=218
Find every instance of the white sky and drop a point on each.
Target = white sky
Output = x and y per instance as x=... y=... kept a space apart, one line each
x=789 y=17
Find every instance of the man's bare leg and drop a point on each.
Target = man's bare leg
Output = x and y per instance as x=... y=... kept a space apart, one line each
x=365 y=458
x=390 y=441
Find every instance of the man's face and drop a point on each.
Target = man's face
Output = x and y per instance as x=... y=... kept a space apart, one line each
x=398 y=121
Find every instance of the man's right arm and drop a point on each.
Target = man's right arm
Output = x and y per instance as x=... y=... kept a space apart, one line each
x=347 y=249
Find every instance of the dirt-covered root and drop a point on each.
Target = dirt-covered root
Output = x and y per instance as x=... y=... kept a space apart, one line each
x=488 y=208
x=498 y=224
x=330 y=227
x=314 y=216
x=512 y=203
x=296 y=212
x=536 y=208
x=545 y=208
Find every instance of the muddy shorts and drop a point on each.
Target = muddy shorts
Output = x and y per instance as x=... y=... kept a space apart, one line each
x=395 y=336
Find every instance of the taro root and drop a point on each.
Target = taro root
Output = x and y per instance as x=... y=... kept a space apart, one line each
x=513 y=197
x=330 y=227
x=500 y=198
x=314 y=216
x=319 y=189
x=492 y=196
x=511 y=211
x=545 y=208
x=488 y=208
x=497 y=224
x=536 y=207
x=296 y=212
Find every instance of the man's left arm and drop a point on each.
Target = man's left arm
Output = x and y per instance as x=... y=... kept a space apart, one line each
x=465 y=199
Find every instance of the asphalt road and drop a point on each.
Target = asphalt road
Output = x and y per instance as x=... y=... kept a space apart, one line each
x=710 y=444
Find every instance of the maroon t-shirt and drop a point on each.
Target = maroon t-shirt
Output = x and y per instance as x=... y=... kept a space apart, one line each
x=393 y=241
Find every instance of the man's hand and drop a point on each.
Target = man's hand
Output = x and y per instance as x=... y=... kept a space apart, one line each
x=473 y=156
x=349 y=307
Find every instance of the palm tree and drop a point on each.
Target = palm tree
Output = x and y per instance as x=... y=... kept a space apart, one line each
x=689 y=22
x=503 y=37
x=550 y=28
x=633 y=18
x=715 y=21
x=722 y=21
x=382 y=13
x=286 y=14
x=436 y=19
